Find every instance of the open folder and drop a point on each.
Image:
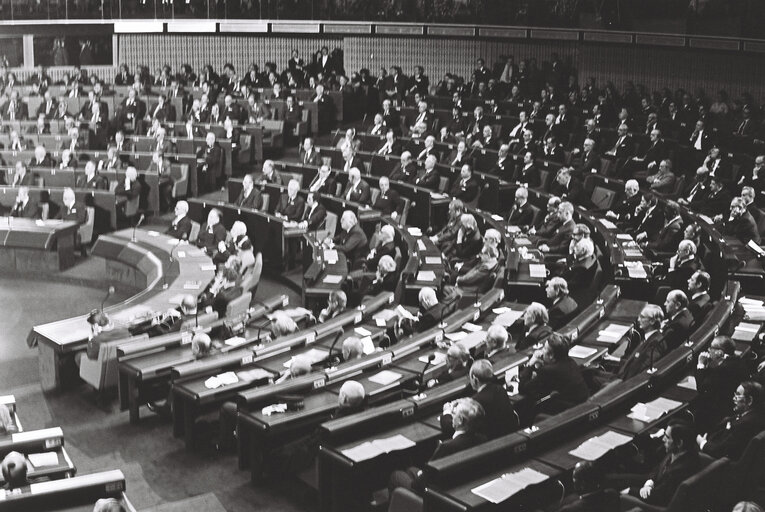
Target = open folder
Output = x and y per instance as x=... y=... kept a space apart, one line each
x=509 y=484
x=372 y=449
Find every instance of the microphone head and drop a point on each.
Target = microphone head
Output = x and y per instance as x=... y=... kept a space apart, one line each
x=431 y=357
x=111 y=290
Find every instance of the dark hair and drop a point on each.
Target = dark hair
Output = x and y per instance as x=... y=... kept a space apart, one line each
x=754 y=391
x=683 y=433
x=559 y=346
x=726 y=344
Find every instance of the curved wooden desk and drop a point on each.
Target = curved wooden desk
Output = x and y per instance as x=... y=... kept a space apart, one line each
x=149 y=263
x=27 y=245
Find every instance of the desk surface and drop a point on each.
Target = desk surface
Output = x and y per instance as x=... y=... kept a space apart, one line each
x=189 y=264
x=33 y=234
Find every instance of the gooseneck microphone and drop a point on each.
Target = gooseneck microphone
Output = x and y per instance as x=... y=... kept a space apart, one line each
x=109 y=292
x=140 y=220
x=421 y=379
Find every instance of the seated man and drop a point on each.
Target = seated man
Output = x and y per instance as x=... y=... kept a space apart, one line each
x=500 y=417
x=212 y=235
x=718 y=373
x=352 y=348
x=431 y=311
x=428 y=177
x=681 y=266
x=680 y=462
x=222 y=291
x=406 y=171
x=130 y=187
x=314 y=214
x=22 y=178
x=25 y=207
x=458 y=363
x=663 y=181
x=698 y=288
x=625 y=209
x=730 y=437
x=551 y=369
x=648 y=348
x=740 y=224
x=281 y=324
x=468 y=242
x=521 y=214
x=291 y=205
x=170 y=320
x=14 y=470
x=41 y=158
x=357 y=190
x=336 y=303
x=551 y=221
x=385 y=245
x=467 y=416
x=677 y=326
x=562 y=307
x=481 y=277
x=72 y=210
x=102 y=331
x=445 y=238
x=569 y=188
x=497 y=340
x=269 y=174
x=323 y=182
x=389 y=201
x=467 y=187
x=584 y=265
x=299 y=365
x=558 y=242
x=180 y=227
x=249 y=197
x=351 y=241
x=535 y=326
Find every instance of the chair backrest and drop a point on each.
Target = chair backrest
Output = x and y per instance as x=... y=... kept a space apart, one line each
x=86 y=230
x=194 y=234
x=294 y=176
x=180 y=175
x=266 y=199
x=131 y=207
x=330 y=225
x=405 y=210
x=404 y=500
x=603 y=198
x=102 y=373
x=45 y=210
x=238 y=305
x=545 y=177
x=701 y=491
x=679 y=186
x=113 y=185
x=374 y=194
x=537 y=215
x=252 y=275
x=443 y=184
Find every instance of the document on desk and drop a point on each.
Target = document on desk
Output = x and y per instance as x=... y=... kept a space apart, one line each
x=372 y=449
x=192 y=285
x=383 y=317
x=471 y=327
x=332 y=279
x=653 y=410
x=508 y=318
x=746 y=301
x=522 y=241
x=361 y=331
x=421 y=245
x=414 y=231
x=235 y=341
x=176 y=299
x=39 y=460
x=537 y=270
x=509 y=484
x=635 y=270
x=432 y=260
x=624 y=236
x=612 y=333
x=745 y=331
x=581 y=352
x=330 y=256
x=254 y=374
x=456 y=336
x=207 y=266
x=426 y=275
x=314 y=355
x=688 y=383
x=595 y=447
x=228 y=378
x=607 y=224
x=385 y=377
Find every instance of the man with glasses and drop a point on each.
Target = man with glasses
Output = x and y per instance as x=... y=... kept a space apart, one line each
x=718 y=373
x=733 y=433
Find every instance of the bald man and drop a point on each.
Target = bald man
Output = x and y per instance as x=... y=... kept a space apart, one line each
x=180 y=228
x=72 y=210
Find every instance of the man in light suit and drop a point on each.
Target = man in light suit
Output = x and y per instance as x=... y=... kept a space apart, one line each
x=357 y=189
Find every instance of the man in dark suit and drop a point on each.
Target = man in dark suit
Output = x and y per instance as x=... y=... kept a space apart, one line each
x=739 y=223
x=732 y=435
x=308 y=154
x=551 y=369
x=180 y=227
x=351 y=159
x=72 y=210
x=351 y=241
x=623 y=147
x=715 y=202
x=719 y=371
x=681 y=266
x=584 y=265
x=587 y=161
x=428 y=177
x=648 y=160
x=209 y=164
x=423 y=117
x=15 y=109
x=41 y=158
x=48 y=106
x=526 y=144
x=162 y=110
x=91 y=180
x=624 y=210
x=25 y=207
x=212 y=235
x=527 y=172
x=569 y=188
x=698 y=290
x=559 y=241
x=522 y=213
x=390 y=116
x=467 y=187
x=406 y=171
x=504 y=167
x=681 y=461
x=291 y=205
x=429 y=149
x=562 y=307
x=669 y=236
x=313 y=214
x=651 y=346
x=323 y=182
x=357 y=190
x=133 y=109
x=269 y=174
x=648 y=218
x=678 y=323
x=391 y=146
x=389 y=201
x=249 y=197
x=552 y=152
x=700 y=139
x=326 y=109
x=293 y=114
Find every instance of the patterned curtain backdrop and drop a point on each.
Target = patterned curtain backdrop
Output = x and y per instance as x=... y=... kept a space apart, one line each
x=442 y=55
x=156 y=50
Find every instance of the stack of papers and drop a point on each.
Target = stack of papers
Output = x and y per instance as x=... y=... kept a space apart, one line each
x=39 y=460
x=608 y=224
x=361 y=331
x=404 y=313
x=581 y=352
x=472 y=327
x=426 y=275
x=456 y=336
x=421 y=245
x=612 y=333
x=635 y=270
x=385 y=377
x=496 y=217
x=537 y=270
x=432 y=260
x=414 y=231
x=753 y=308
x=223 y=379
x=653 y=410
x=383 y=317
x=595 y=447
x=688 y=383
x=372 y=449
x=745 y=331
x=509 y=484
x=332 y=279
x=314 y=355
x=235 y=341
x=473 y=339
x=624 y=236
x=508 y=318
x=522 y=241
x=633 y=253
x=254 y=374
x=330 y=256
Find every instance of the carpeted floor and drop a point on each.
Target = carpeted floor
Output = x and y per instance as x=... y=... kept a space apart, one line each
x=161 y=474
